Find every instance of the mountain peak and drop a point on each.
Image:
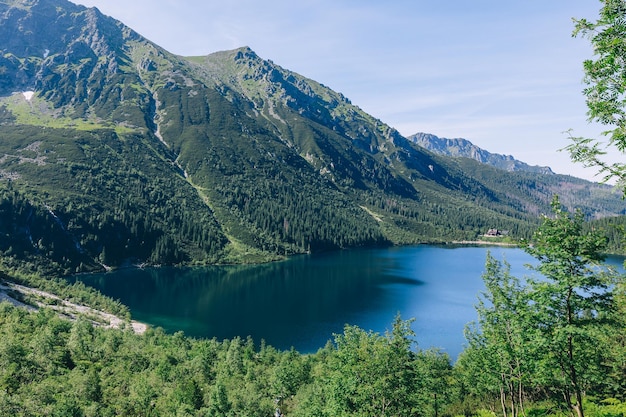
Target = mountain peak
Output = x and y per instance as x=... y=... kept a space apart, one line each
x=233 y=54
x=245 y=51
x=40 y=5
x=21 y=4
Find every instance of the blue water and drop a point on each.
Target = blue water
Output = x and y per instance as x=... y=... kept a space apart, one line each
x=303 y=301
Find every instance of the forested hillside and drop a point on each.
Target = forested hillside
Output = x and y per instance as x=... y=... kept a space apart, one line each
x=539 y=348
x=54 y=367
x=117 y=152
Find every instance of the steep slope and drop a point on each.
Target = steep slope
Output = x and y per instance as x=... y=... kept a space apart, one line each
x=331 y=134
x=74 y=57
x=405 y=188
x=114 y=151
x=78 y=145
x=116 y=118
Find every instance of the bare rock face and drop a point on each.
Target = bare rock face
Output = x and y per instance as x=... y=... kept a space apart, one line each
x=59 y=49
x=459 y=147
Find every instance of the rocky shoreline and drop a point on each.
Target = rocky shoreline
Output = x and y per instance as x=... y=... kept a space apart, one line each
x=14 y=294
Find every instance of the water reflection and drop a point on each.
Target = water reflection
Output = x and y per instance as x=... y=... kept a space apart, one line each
x=287 y=303
x=303 y=301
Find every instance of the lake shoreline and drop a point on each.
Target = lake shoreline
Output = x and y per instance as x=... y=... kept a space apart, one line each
x=36 y=299
x=482 y=243
x=130 y=265
x=305 y=300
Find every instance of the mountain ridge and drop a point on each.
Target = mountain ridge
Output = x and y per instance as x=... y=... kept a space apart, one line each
x=124 y=153
x=459 y=147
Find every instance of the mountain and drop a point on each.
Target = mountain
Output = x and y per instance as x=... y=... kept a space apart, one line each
x=464 y=148
x=526 y=186
x=116 y=151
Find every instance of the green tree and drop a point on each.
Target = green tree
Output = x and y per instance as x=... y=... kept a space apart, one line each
x=374 y=375
x=542 y=337
x=571 y=304
x=606 y=92
x=435 y=384
x=219 y=405
x=81 y=341
x=289 y=375
x=614 y=384
x=495 y=361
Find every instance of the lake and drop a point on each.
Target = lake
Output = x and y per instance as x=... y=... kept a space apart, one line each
x=303 y=301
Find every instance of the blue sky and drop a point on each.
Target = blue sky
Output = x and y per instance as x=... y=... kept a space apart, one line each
x=506 y=75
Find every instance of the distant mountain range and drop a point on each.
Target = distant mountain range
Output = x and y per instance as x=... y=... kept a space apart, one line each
x=464 y=148
x=115 y=151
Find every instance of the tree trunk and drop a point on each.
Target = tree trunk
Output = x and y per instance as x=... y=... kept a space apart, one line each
x=513 y=405
x=520 y=394
x=570 y=356
x=579 y=408
x=503 y=401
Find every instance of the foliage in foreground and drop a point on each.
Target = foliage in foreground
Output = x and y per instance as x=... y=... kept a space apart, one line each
x=545 y=347
x=557 y=338
x=606 y=91
x=51 y=366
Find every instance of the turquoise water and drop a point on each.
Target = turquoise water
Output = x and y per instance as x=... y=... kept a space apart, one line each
x=303 y=301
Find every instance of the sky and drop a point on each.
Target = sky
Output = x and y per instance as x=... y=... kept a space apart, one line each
x=505 y=75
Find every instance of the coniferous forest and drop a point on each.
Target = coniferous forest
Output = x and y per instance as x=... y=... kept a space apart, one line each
x=546 y=347
x=116 y=152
